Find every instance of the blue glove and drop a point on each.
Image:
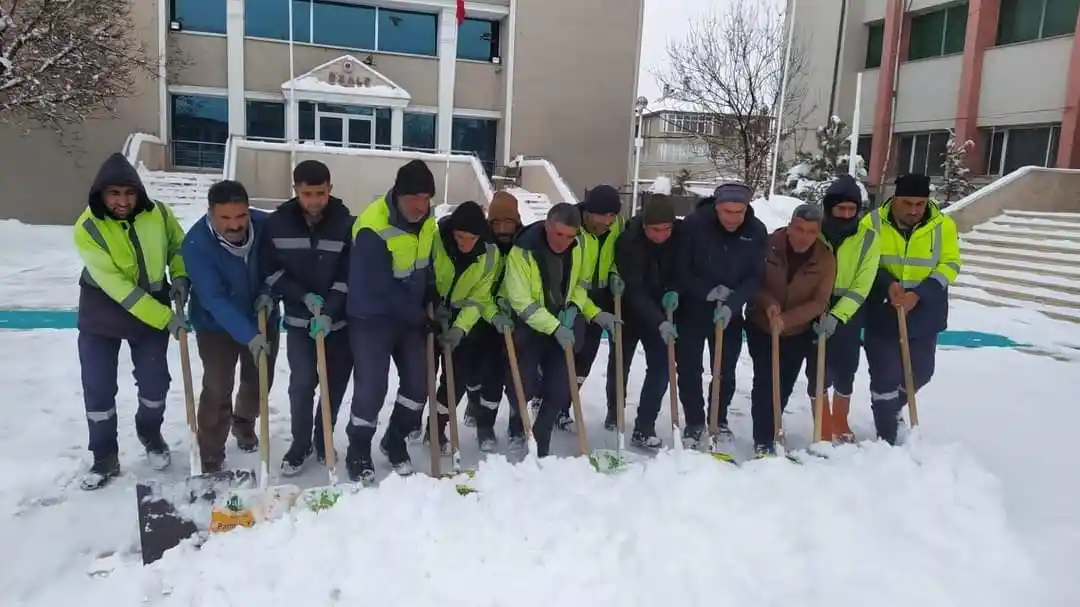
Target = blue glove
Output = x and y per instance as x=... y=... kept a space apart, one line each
x=319 y=325
x=722 y=316
x=314 y=302
x=670 y=301
x=826 y=326
x=567 y=316
x=718 y=294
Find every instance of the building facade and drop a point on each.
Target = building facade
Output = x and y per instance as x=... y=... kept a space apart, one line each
x=529 y=77
x=1004 y=74
x=676 y=141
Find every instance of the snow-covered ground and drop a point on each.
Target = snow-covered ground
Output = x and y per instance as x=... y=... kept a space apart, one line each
x=979 y=509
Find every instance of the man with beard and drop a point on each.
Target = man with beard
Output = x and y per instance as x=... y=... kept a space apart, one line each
x=465 y=267
x=227 y=294
x=126 y=241
x=490 y=365
x=305 y=261
x=857 y=250
x=920 y=258
x=646 y=256
x=543 y=281
x=721 y=260
x=795 y=291
x=390 y=284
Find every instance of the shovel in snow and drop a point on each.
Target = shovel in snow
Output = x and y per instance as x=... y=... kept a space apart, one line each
x=245 y=507
x=451 y=409
x=778 y=410
x=673 y=389
x=606 y=460
x=515 y=376
x=169 y=513
x=715 y=449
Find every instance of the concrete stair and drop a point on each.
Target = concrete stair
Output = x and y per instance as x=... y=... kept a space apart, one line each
x=1024 y=259
x=184 y=192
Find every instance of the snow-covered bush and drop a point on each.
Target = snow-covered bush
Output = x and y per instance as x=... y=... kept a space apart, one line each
x=954 y=162
x=811 y=174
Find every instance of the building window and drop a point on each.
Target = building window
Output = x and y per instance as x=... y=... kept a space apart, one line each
x=922 y=153
x=343 y=24
x=266 y=120
x=1020 y=20
x=199 y=15
x=1007 y=149
x=478 y=39
x=200 y=129
x=419 y=132
x=477 y=136
x=875 y=41
x=407 y=32
x=679 y=123
x=938 y=33
x=866 y=146
x=673 y=151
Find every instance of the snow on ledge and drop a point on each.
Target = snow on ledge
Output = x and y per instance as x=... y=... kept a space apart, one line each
x=1000 y=183
x=564 y=190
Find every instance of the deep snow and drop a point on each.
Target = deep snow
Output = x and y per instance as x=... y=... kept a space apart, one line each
x=978 y=510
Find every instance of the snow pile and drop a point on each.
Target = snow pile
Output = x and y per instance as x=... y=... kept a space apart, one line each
x=661 y=185
x=775 y=211
x=917 y=526
x=38 y=266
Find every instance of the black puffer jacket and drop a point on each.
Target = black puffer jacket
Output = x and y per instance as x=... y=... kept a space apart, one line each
x=649 y=270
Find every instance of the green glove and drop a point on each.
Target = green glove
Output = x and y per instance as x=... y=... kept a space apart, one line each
x=314 y=302
x=567 y=316
x=617 y=285
x=319 y=325
x=670 y=301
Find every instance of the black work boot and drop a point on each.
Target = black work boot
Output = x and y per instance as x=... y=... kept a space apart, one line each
x=157 y=450
x=105 y=468
x=295 y=458
x=358 y=461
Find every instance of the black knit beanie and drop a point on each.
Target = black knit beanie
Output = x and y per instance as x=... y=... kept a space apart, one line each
x=914 y=185
x=602 y=200
x=414 y=178
x=658 y=210
x=469 y=217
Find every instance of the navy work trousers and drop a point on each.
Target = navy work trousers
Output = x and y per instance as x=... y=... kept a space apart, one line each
x=377 y=342
x=656 y=373
x=694 y=332
x=304 y=379
x=887 y=392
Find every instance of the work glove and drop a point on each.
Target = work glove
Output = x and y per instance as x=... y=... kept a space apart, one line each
x=567 y=316
x=668 y=332
x=722 y=316
x=176 y=324
x=451 y=338
x=606 y=321
x=718 y=294
x=265 y=303
x=565 y=337
x=670 y=301
x=258 y=346
x=443 y=316
x=180 y=289
x=314 y=303
x=617 y=285
x=319 y=325
x=502 y=323
x=826 y=326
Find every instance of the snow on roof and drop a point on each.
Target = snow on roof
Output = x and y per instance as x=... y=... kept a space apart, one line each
x=309 y=81
x=670 y=105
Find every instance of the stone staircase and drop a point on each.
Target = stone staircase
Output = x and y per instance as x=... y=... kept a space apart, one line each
x=184 y=192
x=1024 y=259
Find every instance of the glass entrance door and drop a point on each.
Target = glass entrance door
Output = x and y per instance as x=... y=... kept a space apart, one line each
x=331 y=130
x=359 y=132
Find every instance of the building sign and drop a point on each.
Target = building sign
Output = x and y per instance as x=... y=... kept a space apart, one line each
x=346 y=77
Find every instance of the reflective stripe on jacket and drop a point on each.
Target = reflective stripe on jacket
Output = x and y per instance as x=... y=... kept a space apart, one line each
x=471 y=297
x=857 y=260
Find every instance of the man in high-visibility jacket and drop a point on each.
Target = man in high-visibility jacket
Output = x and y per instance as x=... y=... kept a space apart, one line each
x=465 y=266
x=857 y=249
x=389 y=286
x=920 y=258
x=600 y=229
x=543 y=282
x=126 y=241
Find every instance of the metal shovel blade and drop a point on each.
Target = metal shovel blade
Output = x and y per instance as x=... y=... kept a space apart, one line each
x=172 y=512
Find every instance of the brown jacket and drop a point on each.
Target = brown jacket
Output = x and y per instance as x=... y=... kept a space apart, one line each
x=802 y=300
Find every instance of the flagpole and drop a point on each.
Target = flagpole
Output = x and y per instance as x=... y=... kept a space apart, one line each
x=294 y=130
x=783 y=94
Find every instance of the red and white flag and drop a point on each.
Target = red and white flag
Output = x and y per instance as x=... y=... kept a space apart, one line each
x=460 y=12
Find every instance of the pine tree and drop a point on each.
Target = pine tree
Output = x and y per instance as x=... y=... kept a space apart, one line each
x=954 y=162
x=812 y=174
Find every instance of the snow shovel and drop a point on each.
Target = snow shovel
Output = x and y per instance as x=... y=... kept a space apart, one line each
x=778 y=412
x=673 y=390
x=714 y=397
x=451 y=408
x=515 y=376
x=905 y=358
x=321 y=498
x=246 y=507
x=567 y=318
x=171 y=513
x=606 y=460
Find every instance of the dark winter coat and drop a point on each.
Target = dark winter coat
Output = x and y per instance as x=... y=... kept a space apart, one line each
x=649 y=270
x=224 y=287
x=709 y=256
x=296 y=259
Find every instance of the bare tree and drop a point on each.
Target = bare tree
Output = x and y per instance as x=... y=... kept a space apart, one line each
x=63 y=61
x=730 y=66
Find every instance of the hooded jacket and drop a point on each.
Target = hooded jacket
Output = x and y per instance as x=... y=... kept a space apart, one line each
x=123 y=288
x=464 y=281
x=857 y=250
x=709 y=256
x=649 y=270
x=297 y=259
x=390 y=275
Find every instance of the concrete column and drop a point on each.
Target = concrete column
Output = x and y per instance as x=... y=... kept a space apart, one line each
x=234 y=31
x=397 y=128
x=982 y=24
x=883 y=110
x=1069 y=146
x=448 y=35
